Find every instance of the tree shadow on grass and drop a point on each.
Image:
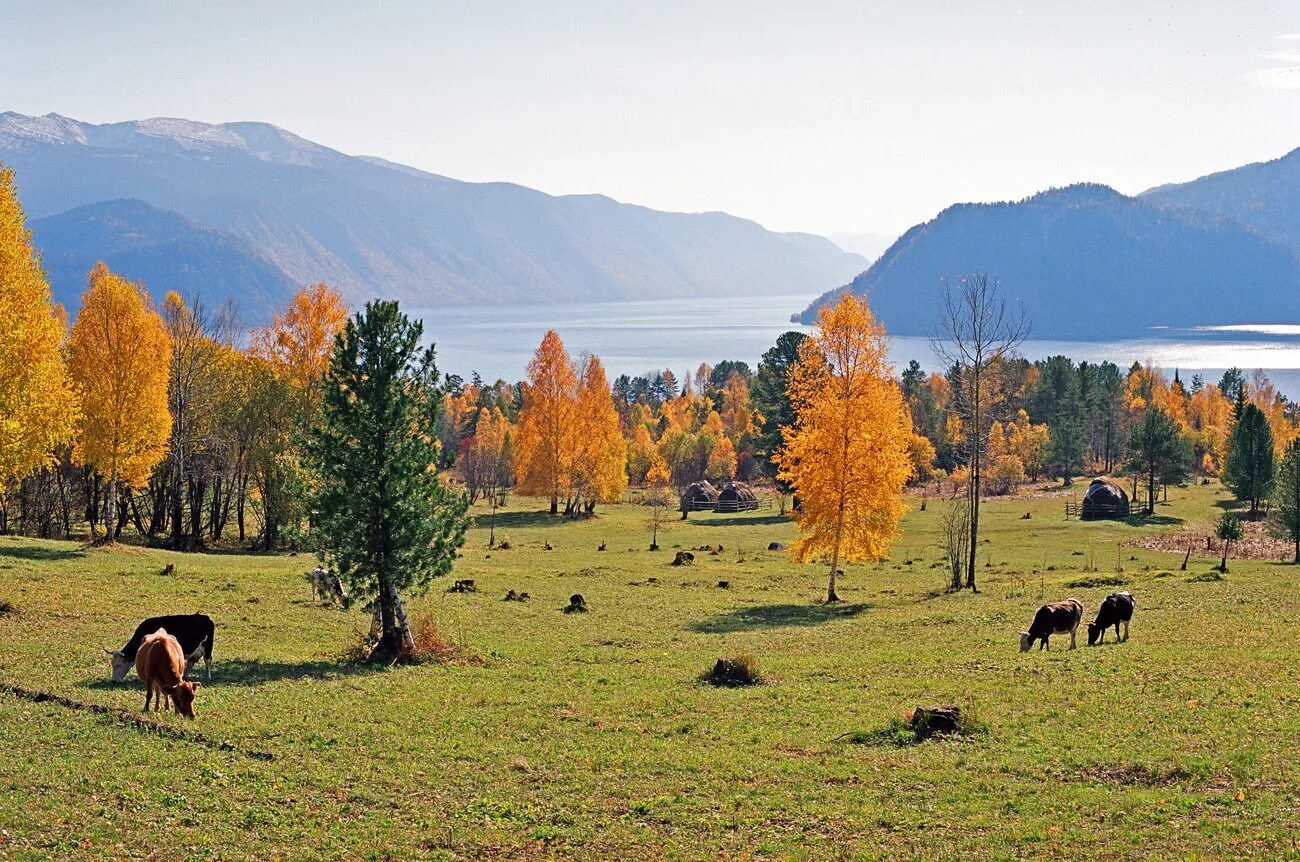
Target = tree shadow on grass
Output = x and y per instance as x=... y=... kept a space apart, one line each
x=518 y=520
x=1152 y=520
x=775 y=616
x=704 y=520
x=250 y=672
x=40 y=554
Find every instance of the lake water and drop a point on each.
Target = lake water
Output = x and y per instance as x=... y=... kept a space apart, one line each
x=636 y=337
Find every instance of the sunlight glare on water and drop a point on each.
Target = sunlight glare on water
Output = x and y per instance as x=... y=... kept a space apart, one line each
x=635 y=337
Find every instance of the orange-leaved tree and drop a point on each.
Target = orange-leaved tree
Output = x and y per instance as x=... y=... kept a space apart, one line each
x=119 y=357
x=846 y=456
x=300 y=338
x=37 y=404
x=545 y=444
x=600 y=465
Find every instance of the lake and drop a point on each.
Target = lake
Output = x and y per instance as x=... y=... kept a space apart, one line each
x=636 y=337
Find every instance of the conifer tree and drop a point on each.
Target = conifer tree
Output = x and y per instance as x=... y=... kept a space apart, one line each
x=37 y=403
x=1286 y=497
x=1251 y=459
x=1158 y=452
x=386 y=521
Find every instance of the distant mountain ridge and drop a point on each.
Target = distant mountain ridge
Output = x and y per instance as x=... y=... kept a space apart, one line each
x=1090 y=263
x=374 y=228
x=1264 y=195
x=163 y=250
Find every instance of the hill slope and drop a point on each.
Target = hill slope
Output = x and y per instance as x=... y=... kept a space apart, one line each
x=375 y=228
x=1088 y=263
x=1264 y=195
x=164 y=250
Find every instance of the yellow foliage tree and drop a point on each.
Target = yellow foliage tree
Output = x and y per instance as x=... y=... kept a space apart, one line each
x=722 y=460
x=546 y=444
x=600 y=463
x=920 y=452
x=640 y=451
x=847 y=456
x=119 y=357
x=736 y=413
x=37 y=403
x=300 y=338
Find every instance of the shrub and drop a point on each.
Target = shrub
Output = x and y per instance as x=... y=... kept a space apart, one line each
x=430 y=644
x=736 y=671
x=1008 y=472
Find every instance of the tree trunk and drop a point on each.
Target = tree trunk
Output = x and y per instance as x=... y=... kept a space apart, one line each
x=555 y=505
x=110 y=508
x=975 y=490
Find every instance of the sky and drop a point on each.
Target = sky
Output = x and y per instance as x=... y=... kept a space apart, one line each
x=817 y=116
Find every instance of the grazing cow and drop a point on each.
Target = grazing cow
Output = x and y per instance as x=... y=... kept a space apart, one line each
x=159 y=662
x=192 y=631
x=1118 y=608
x=1053 y=618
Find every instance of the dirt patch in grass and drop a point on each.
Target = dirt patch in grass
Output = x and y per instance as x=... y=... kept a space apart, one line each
x=1257 y=544
x=1098 y=581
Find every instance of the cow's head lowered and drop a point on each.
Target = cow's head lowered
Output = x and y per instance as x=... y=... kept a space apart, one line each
x=183 y=697
x=1026 y=641
x=121 y=664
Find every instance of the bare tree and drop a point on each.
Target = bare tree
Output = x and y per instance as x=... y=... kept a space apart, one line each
x=976 y=332
x=956 y=540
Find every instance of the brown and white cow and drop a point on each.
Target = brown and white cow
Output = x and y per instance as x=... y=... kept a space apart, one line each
x=160 y=664
x=1053 y=618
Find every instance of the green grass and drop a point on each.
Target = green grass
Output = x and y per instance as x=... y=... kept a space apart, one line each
x=591 y=735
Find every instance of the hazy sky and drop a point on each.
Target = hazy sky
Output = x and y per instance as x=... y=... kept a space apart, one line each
x=827 y=117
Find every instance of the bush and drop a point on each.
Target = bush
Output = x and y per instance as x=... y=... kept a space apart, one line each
x=919 y=725
x=1008 y=472
x=736 y=671
x=430 y=645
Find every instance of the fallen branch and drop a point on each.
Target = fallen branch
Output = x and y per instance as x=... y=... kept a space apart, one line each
x=130 y=718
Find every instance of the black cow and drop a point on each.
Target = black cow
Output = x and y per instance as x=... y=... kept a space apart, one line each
x=192 y=631
x=1053 y=618
x=1118 y=608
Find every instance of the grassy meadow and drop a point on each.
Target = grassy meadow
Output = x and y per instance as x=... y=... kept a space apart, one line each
x=590 y=736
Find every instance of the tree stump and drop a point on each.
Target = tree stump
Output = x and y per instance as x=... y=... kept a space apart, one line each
x=684 y=558
x=512 y=596
x=463 y=586
x=928 y=721
x=577 y=604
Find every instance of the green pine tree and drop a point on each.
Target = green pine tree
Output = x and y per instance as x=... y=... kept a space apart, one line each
x=1286 y=498
x=384 y=519
x=1252 y=463
x=1158 y=452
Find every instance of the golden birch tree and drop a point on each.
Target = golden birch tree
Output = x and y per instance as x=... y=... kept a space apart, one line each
x=119 y=358
x=846 y=456
x=545 y=444
x=600 y=462
x=37 y=403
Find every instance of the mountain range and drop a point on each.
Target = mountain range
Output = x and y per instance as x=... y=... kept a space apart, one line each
x=1090 y=263
x=251 y=210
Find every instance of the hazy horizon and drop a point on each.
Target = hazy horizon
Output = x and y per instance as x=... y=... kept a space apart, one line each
x=831 y=119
